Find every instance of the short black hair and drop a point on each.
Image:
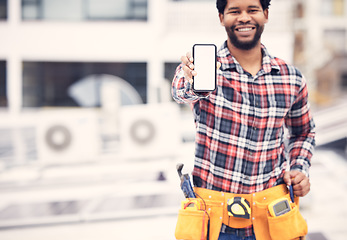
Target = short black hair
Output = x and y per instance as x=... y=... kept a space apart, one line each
x=222 y=3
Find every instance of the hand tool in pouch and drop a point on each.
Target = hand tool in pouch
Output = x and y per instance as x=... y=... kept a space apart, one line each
x=291 y=192
x=186 y=186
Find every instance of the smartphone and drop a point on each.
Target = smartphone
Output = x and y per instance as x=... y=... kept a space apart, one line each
x=205 y=62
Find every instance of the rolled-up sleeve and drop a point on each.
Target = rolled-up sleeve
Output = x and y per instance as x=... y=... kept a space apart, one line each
x=302 y=132
x=182 y=90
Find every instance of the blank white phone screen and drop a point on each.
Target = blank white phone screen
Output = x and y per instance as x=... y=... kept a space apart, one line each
x=205 y=66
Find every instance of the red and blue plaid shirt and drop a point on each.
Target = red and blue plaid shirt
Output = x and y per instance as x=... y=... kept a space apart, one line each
x=240 y=140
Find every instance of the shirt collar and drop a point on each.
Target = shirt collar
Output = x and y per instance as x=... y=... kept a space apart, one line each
x=229 y=62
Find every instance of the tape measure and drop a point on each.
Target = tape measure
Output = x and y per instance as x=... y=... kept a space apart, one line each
x=191 y=204
x=239 y=207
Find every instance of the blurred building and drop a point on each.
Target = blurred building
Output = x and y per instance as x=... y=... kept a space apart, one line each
x=97 y=55
x=321 y=46
x=58 y=57
x=48 y=45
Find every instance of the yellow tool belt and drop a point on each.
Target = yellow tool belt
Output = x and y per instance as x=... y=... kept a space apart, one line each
x=209 y=211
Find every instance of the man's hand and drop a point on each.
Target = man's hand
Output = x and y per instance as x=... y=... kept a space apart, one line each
x=299 y=181
x=188 y=67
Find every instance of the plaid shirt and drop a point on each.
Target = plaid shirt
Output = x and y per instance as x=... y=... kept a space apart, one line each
x=240 y=144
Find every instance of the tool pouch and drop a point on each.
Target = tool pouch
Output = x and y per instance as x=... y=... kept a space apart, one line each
x=192 y=224
x=288 y=226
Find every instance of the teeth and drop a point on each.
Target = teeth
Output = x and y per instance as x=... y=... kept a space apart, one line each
x=244 y=29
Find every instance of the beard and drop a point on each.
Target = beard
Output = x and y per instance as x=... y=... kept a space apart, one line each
x=245 y=45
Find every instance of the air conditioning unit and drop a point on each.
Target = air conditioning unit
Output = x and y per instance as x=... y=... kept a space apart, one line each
x=150 y=130
x=67 y=136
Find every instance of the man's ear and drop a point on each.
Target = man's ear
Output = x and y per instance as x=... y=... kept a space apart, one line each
x=266 y=14
x=221 y=19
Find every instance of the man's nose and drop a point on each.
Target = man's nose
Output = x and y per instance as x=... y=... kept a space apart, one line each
x=244 y=17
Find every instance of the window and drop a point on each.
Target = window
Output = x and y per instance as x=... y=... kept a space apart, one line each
x=3 y=9
x=3 y=87
x=299 y=47
x=170 y=68
x=169 y=72
x=48 y=83
x=78 y=10
x=120 y=9
x=299 y=10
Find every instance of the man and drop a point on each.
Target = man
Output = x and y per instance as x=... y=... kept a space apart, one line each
x=240 y=145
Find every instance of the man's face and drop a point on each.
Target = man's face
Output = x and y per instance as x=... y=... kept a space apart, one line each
x=244 y=22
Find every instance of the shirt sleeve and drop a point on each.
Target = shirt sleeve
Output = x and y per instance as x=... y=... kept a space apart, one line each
x=182 y=89
x=302 y=132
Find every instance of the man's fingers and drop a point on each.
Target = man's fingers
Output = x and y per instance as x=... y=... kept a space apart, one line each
x=188 y=71
x=189 y=57
x=188 y=66
x=286 y=178
x=187 y=60
x=218 y=65
x=188 y=74
x=184 y=60
x=297 y=177
x=304 y=184
x=299 y=181
x=302 y=188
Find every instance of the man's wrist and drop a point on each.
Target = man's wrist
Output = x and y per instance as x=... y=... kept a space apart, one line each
x=300 y=168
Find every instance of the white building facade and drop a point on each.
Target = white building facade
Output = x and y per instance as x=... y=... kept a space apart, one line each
x=48 y=46
x=39 y=36
x=320 y=29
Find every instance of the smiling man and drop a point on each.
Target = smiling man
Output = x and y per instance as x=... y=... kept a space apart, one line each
x=244 y=34
x=242 y=163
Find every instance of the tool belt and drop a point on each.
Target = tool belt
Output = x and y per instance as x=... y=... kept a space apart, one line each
x=201 y=218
